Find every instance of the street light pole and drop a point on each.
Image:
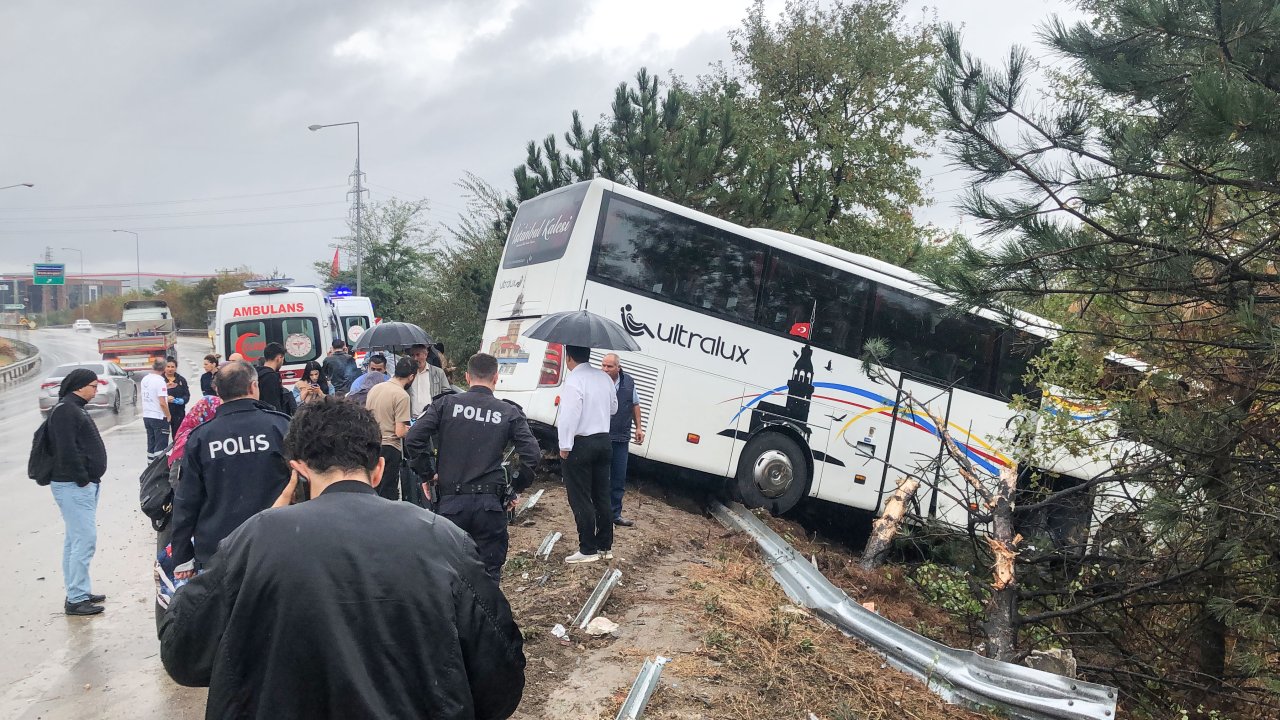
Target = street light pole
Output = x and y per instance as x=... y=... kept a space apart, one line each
x=137 y=250
x=78 y=250
x=6 y=187
x=359 y=201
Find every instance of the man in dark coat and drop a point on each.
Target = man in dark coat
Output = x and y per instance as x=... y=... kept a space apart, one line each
x=473 y=430
x=347 y=605
x=340 y=368
x=233 y=467
x=271 y=390
x=80 y=459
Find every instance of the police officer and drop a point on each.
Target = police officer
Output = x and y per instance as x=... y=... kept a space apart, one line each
x=473 y=430
x=234 y=467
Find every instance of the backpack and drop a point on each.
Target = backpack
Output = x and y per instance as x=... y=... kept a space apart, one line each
x=155 y=493
x=41 y=461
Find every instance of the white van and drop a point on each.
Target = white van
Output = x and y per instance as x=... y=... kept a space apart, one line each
x=301 y=319
x=355 y=315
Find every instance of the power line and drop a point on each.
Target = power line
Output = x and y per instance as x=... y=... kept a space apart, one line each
x=170 y=202
x=185 y=213
x=81 y=231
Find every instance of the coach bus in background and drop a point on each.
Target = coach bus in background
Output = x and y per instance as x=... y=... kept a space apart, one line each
x=751 y=340
x=301 y=319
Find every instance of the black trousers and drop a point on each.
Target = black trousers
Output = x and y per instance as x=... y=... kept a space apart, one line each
x=485 y=520
x=157 y=435
x=389 y=487
x=586 y=480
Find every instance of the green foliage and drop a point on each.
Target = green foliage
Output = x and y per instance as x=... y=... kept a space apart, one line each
x=834 y=107
x=811 y=130
x=396 y=240
x=459 y=273
x=948 y=588
x=1141 y=206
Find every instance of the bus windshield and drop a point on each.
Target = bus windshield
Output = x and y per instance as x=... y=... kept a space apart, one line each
x=542 y=226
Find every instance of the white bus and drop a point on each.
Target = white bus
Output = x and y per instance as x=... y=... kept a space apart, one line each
x=732 y=381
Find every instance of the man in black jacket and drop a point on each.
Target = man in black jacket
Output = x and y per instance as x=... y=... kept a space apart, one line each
x=270 y=387
x=80 y=459
x=340 y=368
x=347 y=605
x=474 y=429
x=233 y=467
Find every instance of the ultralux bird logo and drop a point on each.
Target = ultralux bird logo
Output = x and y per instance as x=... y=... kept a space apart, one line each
x=679 y=335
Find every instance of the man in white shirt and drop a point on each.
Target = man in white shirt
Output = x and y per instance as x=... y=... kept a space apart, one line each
x=155 y=410
x=587 y=402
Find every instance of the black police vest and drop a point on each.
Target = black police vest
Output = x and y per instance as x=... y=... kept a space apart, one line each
x=620 y=423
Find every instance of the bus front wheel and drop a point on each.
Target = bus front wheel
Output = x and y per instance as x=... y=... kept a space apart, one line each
x=772 y=473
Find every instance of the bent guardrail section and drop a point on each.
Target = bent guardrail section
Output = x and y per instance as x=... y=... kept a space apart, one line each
x=19 y=368
x=955 y=675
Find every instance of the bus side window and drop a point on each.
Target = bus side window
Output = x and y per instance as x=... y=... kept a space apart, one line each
x=931 y=340
x=798 y=289
x=683 y=261
x=1016 y=351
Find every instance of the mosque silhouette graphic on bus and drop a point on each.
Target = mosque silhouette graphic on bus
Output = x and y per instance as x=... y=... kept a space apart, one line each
x=799 y=398
x=795 y=411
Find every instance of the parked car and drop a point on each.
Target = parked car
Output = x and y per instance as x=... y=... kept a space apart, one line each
x=82 y=324
x=115 y=386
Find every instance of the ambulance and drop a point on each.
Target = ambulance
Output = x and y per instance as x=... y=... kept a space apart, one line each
x=355 y=314
x=301 y=319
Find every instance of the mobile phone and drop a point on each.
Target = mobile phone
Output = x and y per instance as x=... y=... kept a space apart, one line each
x=302 y=492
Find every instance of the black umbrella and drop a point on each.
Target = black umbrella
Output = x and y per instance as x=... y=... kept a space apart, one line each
x=394 y=336
x=581 y=327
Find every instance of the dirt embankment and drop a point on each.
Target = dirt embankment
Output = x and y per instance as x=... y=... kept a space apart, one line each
x=700 y=595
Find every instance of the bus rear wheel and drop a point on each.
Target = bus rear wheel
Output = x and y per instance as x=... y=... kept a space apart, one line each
x=772 y=473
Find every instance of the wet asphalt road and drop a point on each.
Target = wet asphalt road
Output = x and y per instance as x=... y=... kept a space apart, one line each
x=107 y=666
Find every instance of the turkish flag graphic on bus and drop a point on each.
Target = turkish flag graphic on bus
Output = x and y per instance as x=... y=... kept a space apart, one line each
x=802 y=330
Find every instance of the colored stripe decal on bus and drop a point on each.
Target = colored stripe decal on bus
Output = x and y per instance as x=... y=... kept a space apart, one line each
x=987 y=458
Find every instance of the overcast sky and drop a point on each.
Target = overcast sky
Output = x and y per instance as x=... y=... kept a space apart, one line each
x=187 y=122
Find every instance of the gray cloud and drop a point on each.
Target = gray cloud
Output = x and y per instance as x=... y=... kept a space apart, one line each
x=115 y=104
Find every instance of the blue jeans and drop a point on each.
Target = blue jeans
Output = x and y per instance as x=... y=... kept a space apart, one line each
x=157 y=435
x=79 y=508
x=618 y=476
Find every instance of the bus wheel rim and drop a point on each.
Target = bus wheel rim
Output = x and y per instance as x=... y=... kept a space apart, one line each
x=773 y=473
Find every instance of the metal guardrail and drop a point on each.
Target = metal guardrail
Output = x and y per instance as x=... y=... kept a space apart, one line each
x=598 y=596
x=956 y=675
x=19 y=368
x=642 y=689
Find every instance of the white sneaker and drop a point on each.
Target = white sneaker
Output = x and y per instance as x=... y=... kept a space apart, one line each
x=578 y=557
x=607 y=554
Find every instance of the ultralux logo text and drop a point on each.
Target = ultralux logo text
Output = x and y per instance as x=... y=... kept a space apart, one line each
x=680 y=336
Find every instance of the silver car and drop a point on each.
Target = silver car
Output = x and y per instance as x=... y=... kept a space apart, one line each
x=115 y=386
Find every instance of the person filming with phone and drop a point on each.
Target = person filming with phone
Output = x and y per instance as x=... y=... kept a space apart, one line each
x=311 y=386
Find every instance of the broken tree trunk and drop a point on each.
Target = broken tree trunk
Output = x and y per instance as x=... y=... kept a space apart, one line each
x=1002 y=611
x=886 y=527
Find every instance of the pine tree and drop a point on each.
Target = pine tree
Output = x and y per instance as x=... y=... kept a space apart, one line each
x=1146 y=202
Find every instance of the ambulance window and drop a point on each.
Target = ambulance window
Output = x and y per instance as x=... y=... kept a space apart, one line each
x=300 y=341
x=354 y=325
x=247 y=337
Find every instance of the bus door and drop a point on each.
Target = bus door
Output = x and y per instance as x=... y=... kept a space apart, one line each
x=862 y=426
x=916 y=446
